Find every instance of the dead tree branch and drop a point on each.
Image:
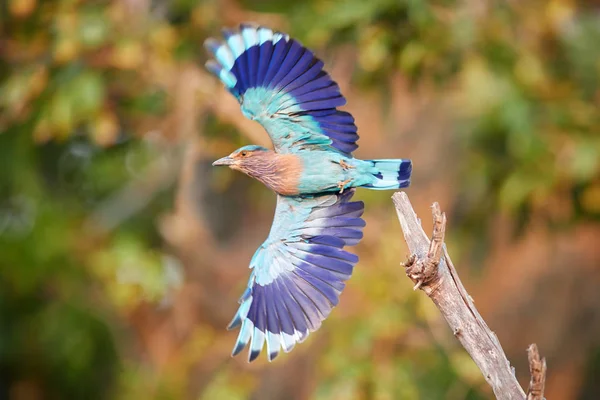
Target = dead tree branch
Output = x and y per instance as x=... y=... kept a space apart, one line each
x=432 y=271
x=537 y=370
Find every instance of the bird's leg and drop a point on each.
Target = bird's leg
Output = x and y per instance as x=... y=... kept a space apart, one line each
x=342 y=184
x=345 y=165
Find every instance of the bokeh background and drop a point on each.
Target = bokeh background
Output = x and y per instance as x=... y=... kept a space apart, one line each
x=123 y=253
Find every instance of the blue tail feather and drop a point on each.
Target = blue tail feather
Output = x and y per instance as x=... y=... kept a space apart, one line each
x=392 y=174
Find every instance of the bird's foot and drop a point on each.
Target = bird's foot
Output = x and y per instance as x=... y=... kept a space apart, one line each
x=345 y=165
x=342 y=184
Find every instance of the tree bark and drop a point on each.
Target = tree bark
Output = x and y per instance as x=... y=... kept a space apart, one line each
x=432 y=271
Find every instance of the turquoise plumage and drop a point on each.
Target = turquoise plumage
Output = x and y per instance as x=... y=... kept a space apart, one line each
x=298 y=273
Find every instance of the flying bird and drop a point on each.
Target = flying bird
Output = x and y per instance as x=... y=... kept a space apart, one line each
x=300 y=270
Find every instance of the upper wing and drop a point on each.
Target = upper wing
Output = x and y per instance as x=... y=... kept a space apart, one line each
x=298 y=272
x=283 y=86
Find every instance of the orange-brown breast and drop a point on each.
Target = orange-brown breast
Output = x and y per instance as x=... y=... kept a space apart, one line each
x=287 y=175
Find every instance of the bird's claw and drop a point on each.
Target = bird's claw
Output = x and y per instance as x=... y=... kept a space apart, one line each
x=345 y=165
x=342 y=185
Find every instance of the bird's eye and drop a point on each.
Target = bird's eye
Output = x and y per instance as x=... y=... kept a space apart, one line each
x=244 y=153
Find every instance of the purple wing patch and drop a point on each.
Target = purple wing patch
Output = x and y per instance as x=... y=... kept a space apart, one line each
x=296 y=89
x=299 y=272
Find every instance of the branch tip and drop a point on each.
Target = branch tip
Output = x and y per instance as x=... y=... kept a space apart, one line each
x=537 y=369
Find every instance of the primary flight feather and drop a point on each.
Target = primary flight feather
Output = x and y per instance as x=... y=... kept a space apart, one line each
x=299 y=272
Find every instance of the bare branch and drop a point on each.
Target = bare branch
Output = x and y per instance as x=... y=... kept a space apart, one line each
x=424 y=270
x=432 y=271
x=537 y=369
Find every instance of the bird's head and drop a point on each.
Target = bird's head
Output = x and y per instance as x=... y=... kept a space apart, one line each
x=245 y=159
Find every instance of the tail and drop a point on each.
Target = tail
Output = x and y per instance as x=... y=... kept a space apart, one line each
x=392 y=174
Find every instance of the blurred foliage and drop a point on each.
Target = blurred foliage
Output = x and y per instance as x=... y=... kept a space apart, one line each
x=84 y=86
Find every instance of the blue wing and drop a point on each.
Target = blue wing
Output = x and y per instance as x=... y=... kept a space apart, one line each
x=298 y=272
x=283 y=86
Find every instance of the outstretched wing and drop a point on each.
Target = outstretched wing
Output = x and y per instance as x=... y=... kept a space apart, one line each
x=283 y=86
x=298 y=272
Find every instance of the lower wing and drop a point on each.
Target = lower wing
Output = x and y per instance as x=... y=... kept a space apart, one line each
x=298 y=272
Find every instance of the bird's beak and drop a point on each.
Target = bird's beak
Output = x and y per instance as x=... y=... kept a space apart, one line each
x=223 y=161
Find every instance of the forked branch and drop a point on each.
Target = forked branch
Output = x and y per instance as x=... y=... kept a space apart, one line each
x=432 y=271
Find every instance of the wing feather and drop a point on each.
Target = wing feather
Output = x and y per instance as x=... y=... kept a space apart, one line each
x=298 y=272
x=282 y=85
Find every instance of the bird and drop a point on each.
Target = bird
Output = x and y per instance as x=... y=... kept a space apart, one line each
x=300 y=270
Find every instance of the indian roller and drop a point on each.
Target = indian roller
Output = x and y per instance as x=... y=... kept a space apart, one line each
x=299 y=272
